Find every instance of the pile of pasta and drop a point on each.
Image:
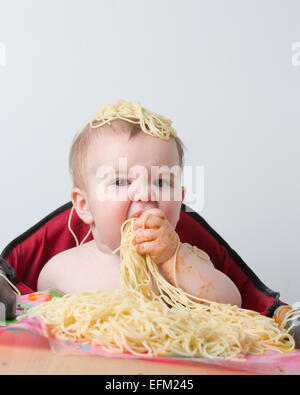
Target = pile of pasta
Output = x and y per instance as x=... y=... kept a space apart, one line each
x=150 y=123
x=150 y=316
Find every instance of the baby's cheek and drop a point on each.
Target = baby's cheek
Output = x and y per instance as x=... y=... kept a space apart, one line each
x=172 y=211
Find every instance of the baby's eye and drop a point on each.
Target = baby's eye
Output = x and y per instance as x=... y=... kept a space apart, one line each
x=161 y=182
x=121 y=182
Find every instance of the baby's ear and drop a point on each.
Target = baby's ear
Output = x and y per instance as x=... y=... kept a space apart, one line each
x=81 y=205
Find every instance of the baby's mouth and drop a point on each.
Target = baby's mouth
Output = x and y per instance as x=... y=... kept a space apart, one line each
x=138 y=211
x=137 y=214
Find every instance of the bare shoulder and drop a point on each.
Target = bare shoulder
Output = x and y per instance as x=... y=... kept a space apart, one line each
x=82 y=268
x=63 y=265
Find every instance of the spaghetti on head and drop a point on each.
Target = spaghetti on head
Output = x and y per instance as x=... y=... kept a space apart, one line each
x=149 y=122
x=159 y=319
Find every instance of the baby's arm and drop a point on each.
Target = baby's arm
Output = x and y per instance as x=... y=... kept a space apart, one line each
x=194 y=274
x=198 y=277
x=48 y=276
x=56 y=273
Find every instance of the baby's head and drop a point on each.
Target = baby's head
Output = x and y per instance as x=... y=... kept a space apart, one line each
x=127 y=160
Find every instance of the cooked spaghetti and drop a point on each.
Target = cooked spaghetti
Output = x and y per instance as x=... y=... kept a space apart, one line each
x=150 y=122
x=150 y=316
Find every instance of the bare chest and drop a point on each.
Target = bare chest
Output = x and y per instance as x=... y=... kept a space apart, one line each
x=92 y=271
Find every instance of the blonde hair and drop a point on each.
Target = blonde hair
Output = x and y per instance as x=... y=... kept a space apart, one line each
x=122 y=116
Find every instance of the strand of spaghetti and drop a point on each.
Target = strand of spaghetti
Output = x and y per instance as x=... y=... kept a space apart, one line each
x=175 y=261
x=71 y=230
x=15 y=289
x=86 y=236
x=293 y=317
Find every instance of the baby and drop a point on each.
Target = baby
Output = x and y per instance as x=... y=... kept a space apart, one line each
x=131 y=167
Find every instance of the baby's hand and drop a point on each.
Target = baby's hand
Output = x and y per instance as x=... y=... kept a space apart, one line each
x=158 y=239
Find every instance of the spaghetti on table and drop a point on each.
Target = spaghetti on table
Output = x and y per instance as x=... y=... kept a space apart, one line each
x=165 y=322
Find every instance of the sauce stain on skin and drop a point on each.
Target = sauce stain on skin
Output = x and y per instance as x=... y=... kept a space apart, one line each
x=205 y=291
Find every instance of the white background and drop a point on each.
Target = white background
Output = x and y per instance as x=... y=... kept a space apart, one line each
x=222 y=70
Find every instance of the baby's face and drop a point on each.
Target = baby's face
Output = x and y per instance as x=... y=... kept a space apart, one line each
x=125 y=177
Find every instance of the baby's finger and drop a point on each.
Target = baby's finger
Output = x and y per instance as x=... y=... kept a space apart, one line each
x=155 y=211
x=145 y=248
x=151 y=221
x=145 y=235
x=153 y=248
x=146 y=219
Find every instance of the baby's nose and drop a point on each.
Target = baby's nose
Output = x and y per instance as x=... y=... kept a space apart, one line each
x=143 y=193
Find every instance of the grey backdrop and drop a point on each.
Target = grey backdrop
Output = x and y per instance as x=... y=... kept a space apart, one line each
x=222 y=70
